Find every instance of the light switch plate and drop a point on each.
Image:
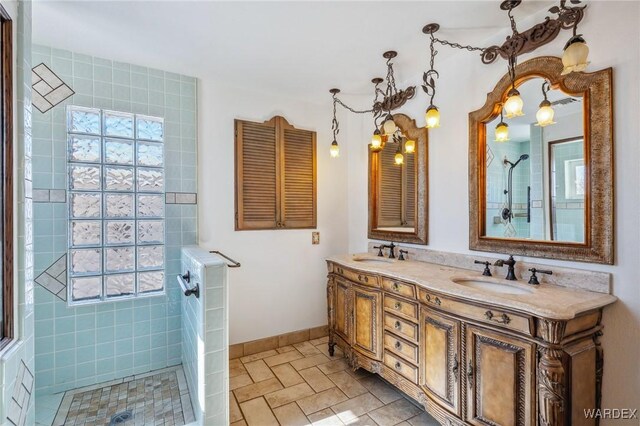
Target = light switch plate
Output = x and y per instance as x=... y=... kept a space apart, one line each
x=315 y=238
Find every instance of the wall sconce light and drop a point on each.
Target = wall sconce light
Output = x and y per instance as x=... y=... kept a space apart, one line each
x=502 y=130
x=410 y=146
x=545 y=113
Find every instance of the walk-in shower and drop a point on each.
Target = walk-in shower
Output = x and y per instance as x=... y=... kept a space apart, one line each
x=507 y=212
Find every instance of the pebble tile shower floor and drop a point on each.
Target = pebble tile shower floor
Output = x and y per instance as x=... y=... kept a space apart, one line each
x=159 y=398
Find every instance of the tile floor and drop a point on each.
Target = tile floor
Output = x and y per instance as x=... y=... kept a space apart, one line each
x=301 y=385
x=158 y=398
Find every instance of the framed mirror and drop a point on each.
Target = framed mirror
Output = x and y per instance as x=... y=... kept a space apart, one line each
x=398 y=193
x=541 y=183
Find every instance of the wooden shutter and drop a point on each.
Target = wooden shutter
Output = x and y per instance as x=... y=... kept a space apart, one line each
x=275 y=175
x=299 y=178
x=256 y=175
x=390 y=187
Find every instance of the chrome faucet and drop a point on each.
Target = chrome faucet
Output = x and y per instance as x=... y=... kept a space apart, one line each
x=511 y=263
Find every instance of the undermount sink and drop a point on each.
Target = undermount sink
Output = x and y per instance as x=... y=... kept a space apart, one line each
x=371 y=259
x=491 y=286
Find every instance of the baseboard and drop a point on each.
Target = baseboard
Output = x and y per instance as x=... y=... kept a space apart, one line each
x=274 y=342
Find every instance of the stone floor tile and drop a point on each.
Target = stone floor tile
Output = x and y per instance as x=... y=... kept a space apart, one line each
x=324 y=349
x=324 y=417
x=257 y=412
x=236 y=368
x=380 y=389
x=287 y=375
x=316 y=379
x=423 y=419
x=302 y=363
x=291 y=415
x=347 y=384
x=362 y=421
x=259 y=355
x=360 y=373
x=333 y=366
x=319 y=340
x=240 y=423
x=322 y=400
x=234 y=409
x=258 y=370
x=306 y=349
x=285 y=349
x=239 y=381
x=257 y=389
x=282 y=358
x=287 y=395
x=394 y=413
x=355 y=407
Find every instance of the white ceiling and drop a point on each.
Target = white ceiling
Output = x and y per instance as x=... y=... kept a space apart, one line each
x=299 y=48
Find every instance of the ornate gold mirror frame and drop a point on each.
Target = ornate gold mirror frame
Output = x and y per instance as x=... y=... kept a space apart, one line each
x=419 y=235
x=596 y=90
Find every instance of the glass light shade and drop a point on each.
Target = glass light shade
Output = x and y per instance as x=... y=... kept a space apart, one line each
x=389 y=127
x=410 y=146
x=545 y=115
x=575 y=56
x=334 y=150
x=432 y=117
x=502 y=132
x=376 y=141
x=513 y=105
x=399 y=158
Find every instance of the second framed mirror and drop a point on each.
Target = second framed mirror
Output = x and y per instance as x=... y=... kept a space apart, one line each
x=398 y=178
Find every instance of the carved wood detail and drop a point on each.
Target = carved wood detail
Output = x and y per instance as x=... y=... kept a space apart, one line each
x=597 y=90
x=390 y=103
x=551 y=331
x=551 y=388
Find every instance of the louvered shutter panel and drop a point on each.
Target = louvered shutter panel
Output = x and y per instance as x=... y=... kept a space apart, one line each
x=390 y=189
x=410 y=190
x=298 y=178
x=256 y=175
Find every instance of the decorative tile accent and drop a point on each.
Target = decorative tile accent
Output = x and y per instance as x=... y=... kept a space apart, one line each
x=490 y=156
x=48 y=89
x=54 y=278
x=22 y=390
x=49 y=195
x=181 y=198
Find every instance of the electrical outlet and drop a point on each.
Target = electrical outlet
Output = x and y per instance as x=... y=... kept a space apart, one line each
x=315 y=238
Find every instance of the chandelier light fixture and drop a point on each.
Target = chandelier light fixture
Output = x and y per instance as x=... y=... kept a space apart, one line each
x=574 y=59
x=545 y=113
x=384 y=102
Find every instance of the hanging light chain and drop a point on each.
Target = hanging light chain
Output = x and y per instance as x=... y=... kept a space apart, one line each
x=429 y=85
x=334 y=123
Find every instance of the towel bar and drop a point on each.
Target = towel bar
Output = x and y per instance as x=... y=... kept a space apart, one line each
x=185 y=279
x=233 y=264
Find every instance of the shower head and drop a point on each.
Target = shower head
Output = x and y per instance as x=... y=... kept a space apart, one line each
x=524 y=157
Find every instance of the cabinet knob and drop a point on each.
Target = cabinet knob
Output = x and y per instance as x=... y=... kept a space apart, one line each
x=396 y=287
x=397 y=325
x=398 y=345
x=398 y=366
x=398 y=305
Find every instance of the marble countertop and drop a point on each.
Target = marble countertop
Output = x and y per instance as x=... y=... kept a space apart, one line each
x=544 y=300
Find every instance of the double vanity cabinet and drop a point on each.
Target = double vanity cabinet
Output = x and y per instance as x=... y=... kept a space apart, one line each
x=469 y=355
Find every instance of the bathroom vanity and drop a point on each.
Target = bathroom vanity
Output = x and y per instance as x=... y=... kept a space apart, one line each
x=472 y=349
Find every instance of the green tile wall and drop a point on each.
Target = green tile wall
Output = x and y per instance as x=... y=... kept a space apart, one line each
x=83 y=345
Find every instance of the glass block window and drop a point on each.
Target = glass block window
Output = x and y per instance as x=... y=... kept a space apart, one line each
x=116 y=205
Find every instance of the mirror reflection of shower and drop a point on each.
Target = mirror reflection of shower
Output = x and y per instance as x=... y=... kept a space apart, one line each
x=507 y=212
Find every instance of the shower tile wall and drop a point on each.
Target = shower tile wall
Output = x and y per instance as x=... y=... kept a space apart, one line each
x=497 y=182
x=537 y=184
x=82 y=345
x=17 y=405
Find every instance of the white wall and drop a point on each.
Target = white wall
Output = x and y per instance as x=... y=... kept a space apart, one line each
x=611 y=30
x=281 y=285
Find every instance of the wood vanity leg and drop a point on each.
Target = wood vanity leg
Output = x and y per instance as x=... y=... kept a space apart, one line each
x=330 y=319
x=551 y=388
x=599 y=371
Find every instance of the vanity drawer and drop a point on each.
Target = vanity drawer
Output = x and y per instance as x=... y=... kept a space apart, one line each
x=401 y=367
x=402 y=328
x=399 y=288
x=357 y=276
x=401 y=307
x=520 y=323
x=407 y=350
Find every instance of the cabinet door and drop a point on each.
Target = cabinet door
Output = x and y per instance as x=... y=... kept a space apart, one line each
x=367 y=328
x=500 y=376
x=342 y=311
x=440 y=366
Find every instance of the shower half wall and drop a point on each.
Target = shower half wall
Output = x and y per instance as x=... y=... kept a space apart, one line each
x=83 y=345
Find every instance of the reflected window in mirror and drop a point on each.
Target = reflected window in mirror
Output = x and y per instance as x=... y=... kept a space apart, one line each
x=530 y=174
x=397 y=188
